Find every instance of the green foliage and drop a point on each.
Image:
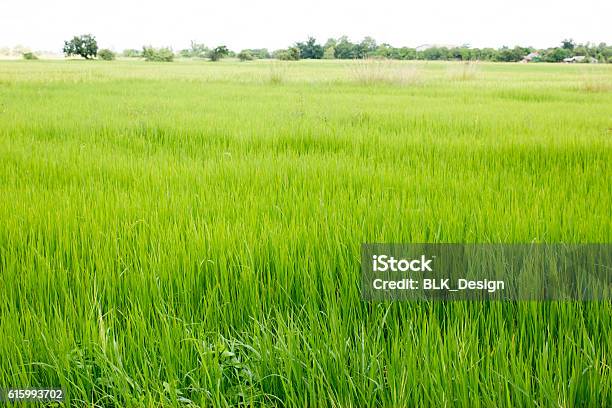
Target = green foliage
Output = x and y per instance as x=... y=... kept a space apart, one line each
x=196 y=50
x=343 y=48
x=568 y=44
x=260 y=53
x=172 y=238
x=245 y=55
x=29 y=56
x=218 y=52
x=557 y=54
x=435 y=53
x=132 y=53
x=329 y=52
x=367 y=47
x=84 y=46
x=163 y=54
x=310 y=49
x=290 y=54
x=106 y=54
x=515 y=54
x=184 y=53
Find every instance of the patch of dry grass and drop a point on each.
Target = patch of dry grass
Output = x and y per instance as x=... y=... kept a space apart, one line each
x=375 y=72
x=465 y=71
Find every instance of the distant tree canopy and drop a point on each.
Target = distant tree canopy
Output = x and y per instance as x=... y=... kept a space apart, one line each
x=557 y=54
x=245 y=55
x=163 y=54
x=343 y=48
x=290 y=54
x=84 y=46
x=196 y=50
x=132 y=53
x=568 y=44
x=218 y=52
x=310 y=49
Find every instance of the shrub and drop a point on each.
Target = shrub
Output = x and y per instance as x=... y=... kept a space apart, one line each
x=157 y=54
x=184 y=53
x=29 y=56
x=245 y=55
x=290 y=54
x=132 y=53
x=106 y=54
x=198 y=50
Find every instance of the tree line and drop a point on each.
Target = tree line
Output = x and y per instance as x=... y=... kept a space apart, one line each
x=343 y=48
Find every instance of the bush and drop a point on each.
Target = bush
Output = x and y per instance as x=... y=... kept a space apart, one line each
x=245 y=55
x=132 y=53
x=196 y=50
x=290 y=54
x=157 y=54
x=106 y=54
x=29 y=56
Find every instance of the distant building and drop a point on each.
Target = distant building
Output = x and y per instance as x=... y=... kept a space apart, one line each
x=428 y=46
x=580 y=58
x=532 y=57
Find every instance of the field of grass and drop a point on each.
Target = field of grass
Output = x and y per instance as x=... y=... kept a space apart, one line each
x=188 y=234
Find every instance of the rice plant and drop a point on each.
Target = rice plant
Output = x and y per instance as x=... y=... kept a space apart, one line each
x=186 y=234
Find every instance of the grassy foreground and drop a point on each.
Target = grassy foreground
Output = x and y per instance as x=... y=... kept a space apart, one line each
x=188 y=233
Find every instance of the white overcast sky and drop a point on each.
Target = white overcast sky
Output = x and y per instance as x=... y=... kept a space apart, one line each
x=119 y=24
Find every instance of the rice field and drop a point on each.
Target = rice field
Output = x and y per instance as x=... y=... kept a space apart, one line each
x=188 y=234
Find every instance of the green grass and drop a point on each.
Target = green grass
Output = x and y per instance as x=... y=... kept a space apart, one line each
x=191 y=231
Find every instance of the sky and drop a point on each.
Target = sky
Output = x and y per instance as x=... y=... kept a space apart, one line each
x=273 y=24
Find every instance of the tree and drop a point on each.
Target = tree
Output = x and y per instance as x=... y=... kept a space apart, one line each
x=218 y=52
x=329 y=52
x=345 y=49
x=84 y=46
x=435 y=53
x=331 y=42
x=106 y=54
x=568 y=44
x=245 y=55
x=557 y=54
x=366 y=47
x=515 y=54
x=310 y=49
x=198 y=50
